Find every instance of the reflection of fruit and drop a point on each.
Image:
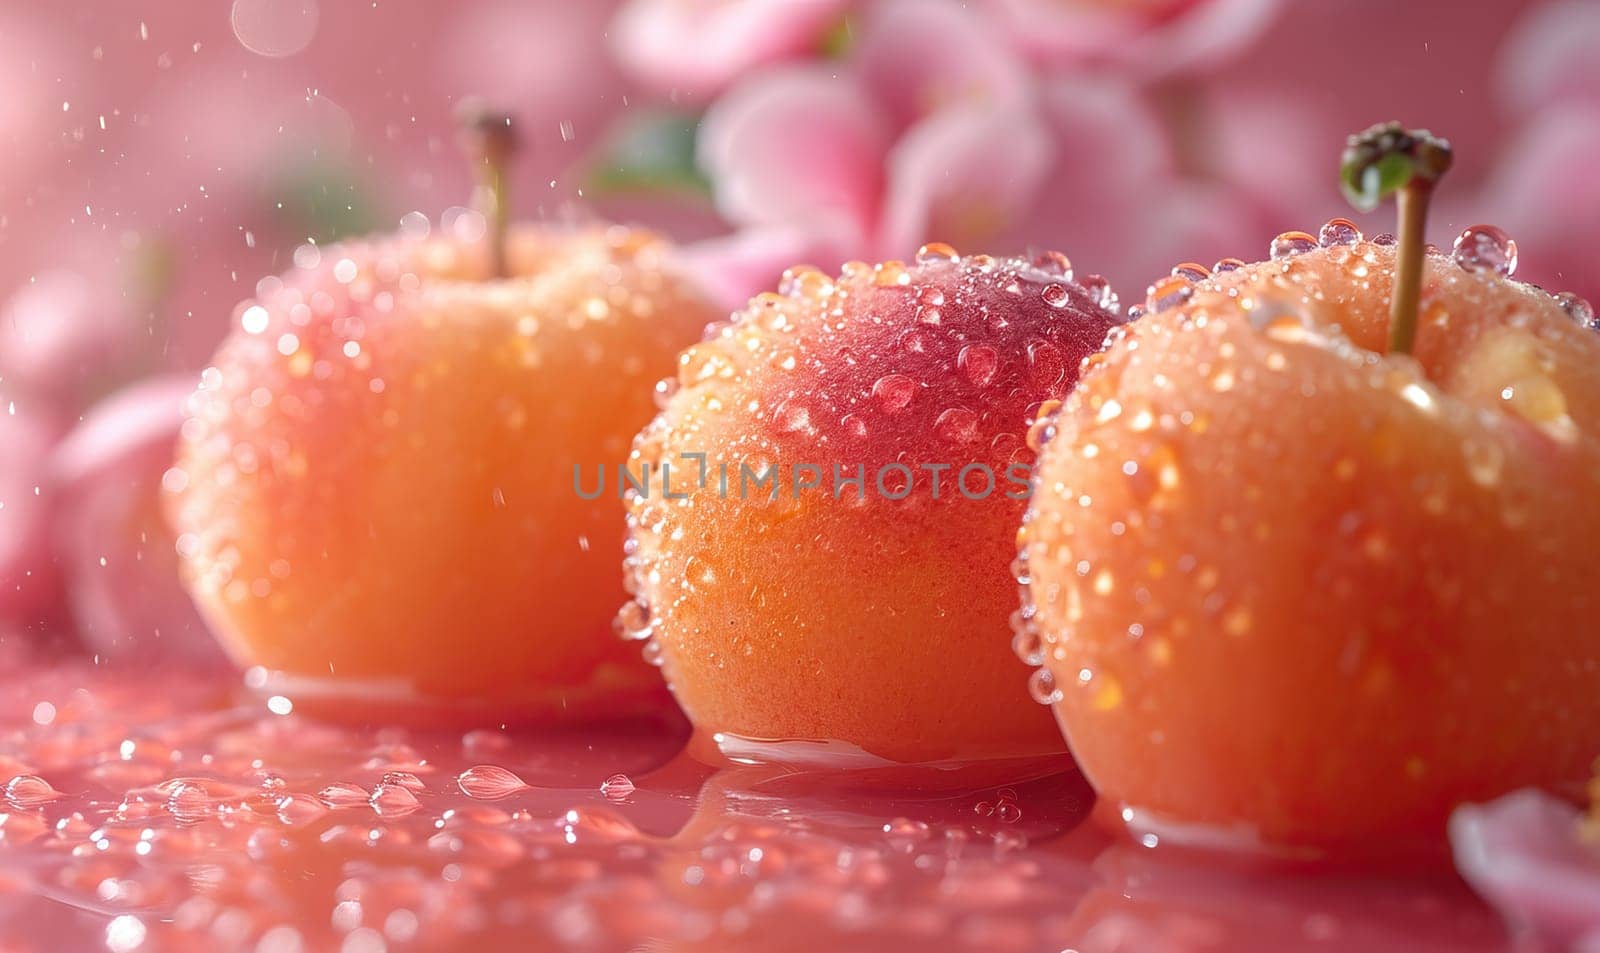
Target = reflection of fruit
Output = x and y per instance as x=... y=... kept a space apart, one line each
x=857 y=620
x=115 y=548
x=28 y=574
x=379 y=465
x=1291 y=584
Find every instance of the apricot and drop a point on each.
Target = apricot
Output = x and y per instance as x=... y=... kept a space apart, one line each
x=374 y=489
x=1292 y=587
x=813 y=619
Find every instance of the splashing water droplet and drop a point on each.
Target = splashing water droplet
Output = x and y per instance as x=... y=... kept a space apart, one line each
x=1042 y=686
x=28 y=791
x=1578 y=309
x=618 y=787
x=488 y=782
x=936 y=252
x=893 y=392
x=1486 y=249
x=1290 y=244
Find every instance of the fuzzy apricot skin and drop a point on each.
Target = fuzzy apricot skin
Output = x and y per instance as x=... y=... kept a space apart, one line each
x=871 y=629
x=379 y=492
x=1311 y=595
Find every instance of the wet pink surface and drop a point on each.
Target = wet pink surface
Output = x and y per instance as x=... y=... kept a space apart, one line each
x=172 y=810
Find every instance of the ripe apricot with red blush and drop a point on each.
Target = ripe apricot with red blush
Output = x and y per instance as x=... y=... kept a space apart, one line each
x=857 y=623
x=376 y=474
x=1298 y=589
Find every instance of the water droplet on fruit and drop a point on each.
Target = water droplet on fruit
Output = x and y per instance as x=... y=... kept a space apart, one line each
x=1042 y=686
x=978 y=362
x=618 y=787
x=1191 y=270
x=1227 y=265
x=27 y=791
x=1055 y=295
x=792 y=417
x=1101 y=291
x=854 y=425
x=393 y=800
x=1054 y=263
x=1045 y=364
x=343 y=794
x=1339 y=231
x=1026 y=643
x=1384 y=238
x=488 y=782
x=957 y=425
x=936 y=252
x=633 y=621
x=1290 y=244
x=1577 y=308
x=1484 y=248
x=1168 y=293
x=893 y=392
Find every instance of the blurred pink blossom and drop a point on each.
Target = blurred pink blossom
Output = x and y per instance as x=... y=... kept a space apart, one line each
x=1143 y=39
x=1550 y=57
x=1524 y=855
x=873 y=156
x=112 y=542
x=28 y=576
x=63 y=336
x=694 y=48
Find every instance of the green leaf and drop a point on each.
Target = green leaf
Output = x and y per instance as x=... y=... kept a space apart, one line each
x=649 y=151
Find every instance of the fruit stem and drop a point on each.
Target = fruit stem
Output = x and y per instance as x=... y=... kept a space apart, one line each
x=1385 y=159
x=490 y=143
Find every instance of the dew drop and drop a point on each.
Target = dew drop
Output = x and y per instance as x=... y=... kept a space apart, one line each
x=936 y=252
x=488 y=782
x=1384 y=238
x=1227 y=265
x=1053 y=263
x=893 y=392
x=957 y=425
x=1042 y=686
x=27 y=791
x=792 y=417
x=1486 y=249
x=1192 y=271
x=1026 y=643
x=1100 y=290
x=854 y=425
x=343 y=794
x=1339 y=231
x=1055 y=295
x=1290 y=244
x=1168 y=293
x=393 y=799
x=1045 y=364
x=618 y=787
x=633 y=621
x=1577 y=308
x=978 y=362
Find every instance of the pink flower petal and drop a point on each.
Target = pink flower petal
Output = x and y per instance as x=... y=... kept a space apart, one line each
x=918 y=57
x=1523 y=854
x=734 y=268
x=119 y=557
x=61 y=336
x=695 y=48
x=798 y=147
x=1147 y=39
x=962 y=176
x=1550 y=56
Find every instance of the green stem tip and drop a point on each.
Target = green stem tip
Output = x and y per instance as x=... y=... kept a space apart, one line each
x=490 y=142
x=1391 y=159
